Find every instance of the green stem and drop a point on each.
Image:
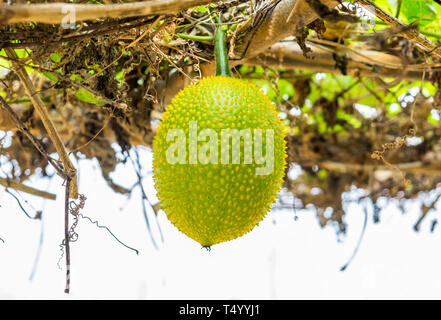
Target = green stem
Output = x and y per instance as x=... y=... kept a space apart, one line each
x=195 y=38
x=220 y=52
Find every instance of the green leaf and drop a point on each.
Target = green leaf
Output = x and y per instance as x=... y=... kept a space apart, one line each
x=388 y=5
x=415 y=9
x=56 y=57
x=243 y=69
x=3 y=62
x=76 y=77
x=201 y=9
x=323 y=174
x=50 y=76
x=21 y=53
x=349 y=118
x=286 y=88
x=432 y=120
x=338 y=128
x=88 y=97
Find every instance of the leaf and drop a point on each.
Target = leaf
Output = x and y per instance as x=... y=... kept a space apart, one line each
x=388 y=5
x=88 y=97
x=3 y=62
x=285 y=88
x=323 y=174
x=431 y=119
x=21 y=53
x=76 y=77
x=50 y=76
x=413 y=10
x=349 y=118
x=56 y=57
x=201 y=9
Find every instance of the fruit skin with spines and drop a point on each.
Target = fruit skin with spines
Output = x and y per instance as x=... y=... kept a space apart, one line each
x=214 y=203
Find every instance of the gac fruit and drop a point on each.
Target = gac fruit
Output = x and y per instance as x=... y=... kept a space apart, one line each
x=219 y=159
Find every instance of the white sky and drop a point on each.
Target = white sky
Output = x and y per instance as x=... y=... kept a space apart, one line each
x=286 y=260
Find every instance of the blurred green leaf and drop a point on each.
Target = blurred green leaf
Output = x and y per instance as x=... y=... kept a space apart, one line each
x=286 y=88
x=323 y=174
x=388 y=5
x=56 y=57
x=349 y=118
x=432 y=120
x=201 y=9
x=88 y=97
x=50 y=76
x=413 y=10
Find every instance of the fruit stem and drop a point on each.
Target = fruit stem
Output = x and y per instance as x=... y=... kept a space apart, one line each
x=220 y=53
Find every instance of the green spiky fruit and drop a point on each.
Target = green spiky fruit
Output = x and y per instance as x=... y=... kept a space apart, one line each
x=208 y=198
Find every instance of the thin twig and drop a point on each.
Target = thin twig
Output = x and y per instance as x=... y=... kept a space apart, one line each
x=144 y=198
x=66 y=234
x=9 y=183
x=108 y=230
x=156 y=49
x=20 y=205
x=363 y=230
x=414 y=167
x=39 y=105
x=40 y=246
x=424 y=211
x=93 y=138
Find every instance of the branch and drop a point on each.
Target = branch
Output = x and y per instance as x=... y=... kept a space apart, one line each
x=410 y=34
x=8 y=183
x=66 y=234
x=39 y=105
x=418 y=167
x=56 y=13
x=22 y=127
x=367 y=63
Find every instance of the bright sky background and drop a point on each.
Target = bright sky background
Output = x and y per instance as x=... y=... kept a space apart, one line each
x=280 y=259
